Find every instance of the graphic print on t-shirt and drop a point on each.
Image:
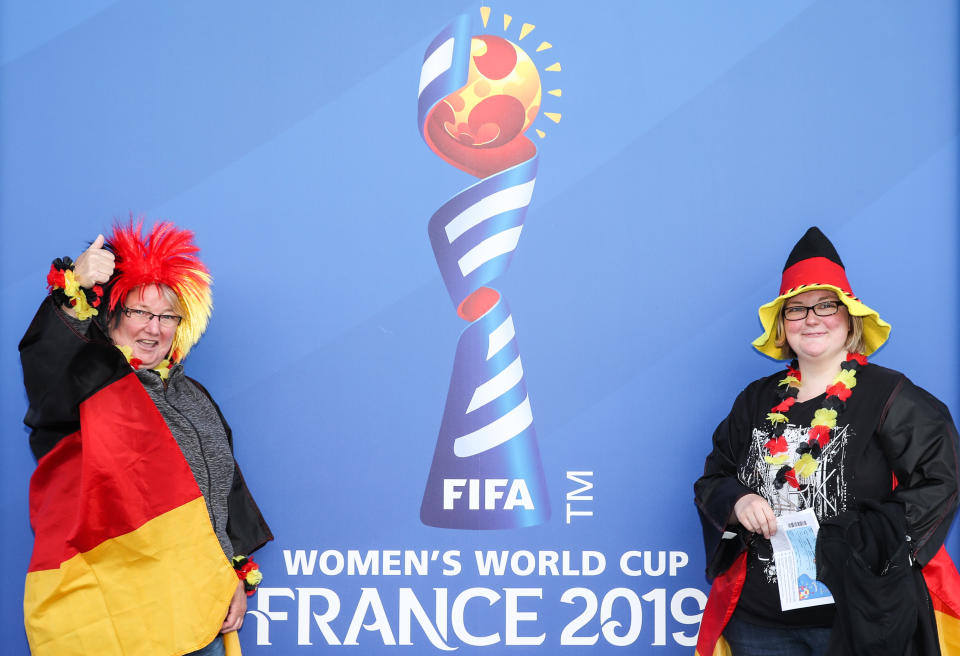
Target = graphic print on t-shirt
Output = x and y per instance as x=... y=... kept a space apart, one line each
x=825 y=490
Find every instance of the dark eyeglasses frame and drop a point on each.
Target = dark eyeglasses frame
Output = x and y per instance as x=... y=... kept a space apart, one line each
x=822 y=305
x=138 y=315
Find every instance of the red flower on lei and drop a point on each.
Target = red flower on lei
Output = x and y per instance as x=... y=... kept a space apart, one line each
x=859 y=357
x=784 y=405
x=776 y=445
x=839 y=390
x=819 y=433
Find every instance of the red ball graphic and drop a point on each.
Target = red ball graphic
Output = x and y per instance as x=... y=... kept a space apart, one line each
x=479 y=128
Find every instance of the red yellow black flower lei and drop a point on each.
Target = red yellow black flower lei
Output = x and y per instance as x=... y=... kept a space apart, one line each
x=66 y=291
x=163 y=367
x=824 y=419
x=248 y=572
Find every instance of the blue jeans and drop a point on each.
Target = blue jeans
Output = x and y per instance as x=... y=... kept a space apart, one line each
x=753 y=640
x=215 y=648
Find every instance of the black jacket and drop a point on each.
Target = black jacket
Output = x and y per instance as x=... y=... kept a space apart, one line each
x=895 y=429
x=883 y=608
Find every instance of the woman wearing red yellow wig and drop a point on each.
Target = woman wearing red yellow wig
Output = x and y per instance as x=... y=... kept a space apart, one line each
x=143 y=523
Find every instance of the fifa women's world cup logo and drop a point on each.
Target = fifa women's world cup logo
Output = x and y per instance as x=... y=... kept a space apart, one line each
x=478 y=95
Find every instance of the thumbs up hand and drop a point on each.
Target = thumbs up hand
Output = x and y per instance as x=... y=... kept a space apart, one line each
x=94 y=265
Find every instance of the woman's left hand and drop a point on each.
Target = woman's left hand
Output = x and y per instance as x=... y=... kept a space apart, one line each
x=236 y=611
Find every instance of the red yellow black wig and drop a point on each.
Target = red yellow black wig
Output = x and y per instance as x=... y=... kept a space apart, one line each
x=166 y=256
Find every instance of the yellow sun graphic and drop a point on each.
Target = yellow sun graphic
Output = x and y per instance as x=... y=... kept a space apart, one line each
x=550 y=69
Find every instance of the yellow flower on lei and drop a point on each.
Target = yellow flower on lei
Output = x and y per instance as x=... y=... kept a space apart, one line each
x=776 y=417
x=848 y=377
x=777 y=460
x=163 y=368
x=72 y=289
x=806 y=465
x=824 y=417
x=790 y=381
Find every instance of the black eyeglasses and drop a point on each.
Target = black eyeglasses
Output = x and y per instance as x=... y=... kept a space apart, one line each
x=143 y=317
x=821 y=309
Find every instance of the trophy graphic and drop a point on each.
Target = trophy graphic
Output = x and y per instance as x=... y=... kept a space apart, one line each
x=477 y=97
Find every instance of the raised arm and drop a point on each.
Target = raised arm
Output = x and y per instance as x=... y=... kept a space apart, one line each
x=64 y=359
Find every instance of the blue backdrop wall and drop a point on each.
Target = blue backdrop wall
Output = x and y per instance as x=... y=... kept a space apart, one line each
x=691 y=145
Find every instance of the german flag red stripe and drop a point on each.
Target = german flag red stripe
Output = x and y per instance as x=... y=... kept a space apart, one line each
x=721 y=603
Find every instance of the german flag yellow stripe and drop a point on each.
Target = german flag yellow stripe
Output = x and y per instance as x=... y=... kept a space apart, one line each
x=161 y=589
x=948 y=628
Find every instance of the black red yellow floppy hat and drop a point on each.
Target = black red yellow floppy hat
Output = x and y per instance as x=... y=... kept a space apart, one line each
x=815 y=264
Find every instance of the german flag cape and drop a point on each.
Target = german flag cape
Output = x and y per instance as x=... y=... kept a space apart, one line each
x=125 y=560
x=943 y=582
x=721 y=603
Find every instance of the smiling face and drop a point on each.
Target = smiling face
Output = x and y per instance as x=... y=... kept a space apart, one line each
x=150 y=342
x=816 y=338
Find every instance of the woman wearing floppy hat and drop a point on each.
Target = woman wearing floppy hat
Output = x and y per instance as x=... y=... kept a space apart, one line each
x=143 y=523
x=874 y=457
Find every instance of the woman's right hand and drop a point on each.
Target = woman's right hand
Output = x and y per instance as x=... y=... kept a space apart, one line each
x=754 y=513
x=236 y=611
x=94 y=265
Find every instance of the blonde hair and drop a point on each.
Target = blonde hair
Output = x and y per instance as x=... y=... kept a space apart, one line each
x=855 y=343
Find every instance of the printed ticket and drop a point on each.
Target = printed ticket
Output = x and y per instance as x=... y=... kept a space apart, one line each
x=794 y=552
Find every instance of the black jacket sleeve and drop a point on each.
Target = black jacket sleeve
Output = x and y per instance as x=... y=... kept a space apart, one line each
x=62 y=366
x=716 y=492
x=919 y=439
